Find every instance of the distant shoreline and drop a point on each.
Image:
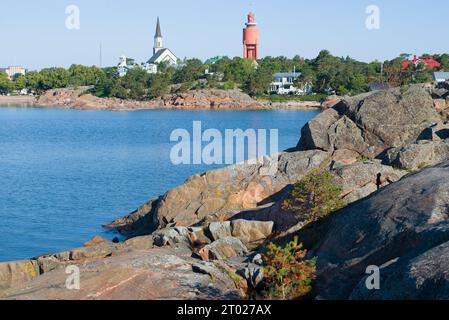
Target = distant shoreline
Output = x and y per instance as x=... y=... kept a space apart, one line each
x=214 y=100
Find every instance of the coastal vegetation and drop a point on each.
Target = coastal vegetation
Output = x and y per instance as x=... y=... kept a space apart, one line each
x=287 y=274
x=327 y=73
x=314 y=196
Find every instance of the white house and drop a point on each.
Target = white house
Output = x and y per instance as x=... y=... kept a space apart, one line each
x=284 y=83
x=441 y=76
x=149 y=67
x=13 y=71
x=124 y=65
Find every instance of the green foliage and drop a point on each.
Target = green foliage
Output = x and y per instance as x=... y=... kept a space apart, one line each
x=5 y=84
x=314 y=196
x=20 y=82
x=286 y=274
x=134 y=85
x=258 y=82
x=444 y=60
x=229 y=85
x=192 y=70
x=106 y=82
x=53 y=78
x=84 y=76
x=33 y=80
x=159 y=85
x=213 y=81
x=186 y=86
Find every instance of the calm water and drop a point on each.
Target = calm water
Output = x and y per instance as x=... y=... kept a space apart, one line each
x=63 y=173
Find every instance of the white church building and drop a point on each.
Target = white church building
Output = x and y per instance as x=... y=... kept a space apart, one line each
x=160 y=55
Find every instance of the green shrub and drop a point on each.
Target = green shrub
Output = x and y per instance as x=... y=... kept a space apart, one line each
x=286 y=274
x=186 y=86
x=314 y=196
x=229 y=85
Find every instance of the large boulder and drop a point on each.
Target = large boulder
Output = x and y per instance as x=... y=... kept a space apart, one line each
x=344 y=134
x=415 y=157
x=250 y=232
x=247 y=231
x=139 y=222
x=400 y=222
x=220 y=229
x=177 y=236
x=315 y=134
x=224 y=248
x=373 y=122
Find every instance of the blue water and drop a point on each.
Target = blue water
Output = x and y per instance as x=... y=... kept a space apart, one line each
x=64 y=173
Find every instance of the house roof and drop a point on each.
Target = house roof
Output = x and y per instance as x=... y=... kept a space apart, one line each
x=213 y=60
x=287 y=75
x=158 y=29
x=429 y=62
x=441 y=75
x=158 y=54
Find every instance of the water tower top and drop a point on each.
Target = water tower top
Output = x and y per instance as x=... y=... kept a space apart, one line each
x=251 y=19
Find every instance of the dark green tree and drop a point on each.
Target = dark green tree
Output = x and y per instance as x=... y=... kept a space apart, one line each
x=258 y=82
x=5 y=84
x=192 y=70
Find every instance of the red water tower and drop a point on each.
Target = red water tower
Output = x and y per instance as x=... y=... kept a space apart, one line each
x=251 y=39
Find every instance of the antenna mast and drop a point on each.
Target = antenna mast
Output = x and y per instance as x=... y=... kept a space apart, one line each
x=101 y=55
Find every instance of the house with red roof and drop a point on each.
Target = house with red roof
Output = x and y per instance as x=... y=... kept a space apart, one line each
x=428 y=61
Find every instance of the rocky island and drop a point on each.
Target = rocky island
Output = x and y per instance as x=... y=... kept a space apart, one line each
x=387 y=150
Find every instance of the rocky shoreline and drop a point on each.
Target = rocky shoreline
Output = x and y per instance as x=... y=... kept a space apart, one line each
x=389 y=152
x=193 y=100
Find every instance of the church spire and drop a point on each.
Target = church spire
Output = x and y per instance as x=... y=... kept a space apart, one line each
x=158 y=45
x=158 y=29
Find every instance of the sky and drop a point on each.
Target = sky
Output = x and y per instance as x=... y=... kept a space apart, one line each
x=34 y=33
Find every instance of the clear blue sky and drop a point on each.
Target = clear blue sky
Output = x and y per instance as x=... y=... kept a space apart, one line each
x=33 y=33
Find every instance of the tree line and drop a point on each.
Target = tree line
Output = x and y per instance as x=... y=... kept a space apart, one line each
x=326 y=73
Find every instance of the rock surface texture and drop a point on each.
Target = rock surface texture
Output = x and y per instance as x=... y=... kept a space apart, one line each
x=136 y=275
x=403 y=229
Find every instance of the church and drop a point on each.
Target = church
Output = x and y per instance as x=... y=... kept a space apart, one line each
x=160 y=54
